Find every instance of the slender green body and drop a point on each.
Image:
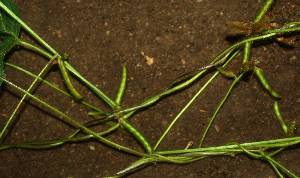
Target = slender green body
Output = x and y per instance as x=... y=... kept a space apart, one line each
x=225 y=72
x=68 y=82
x=247 y=50
x=122 y=86
x=265 y=83
x=292 y=129
x=137 y=134
x=278 y=115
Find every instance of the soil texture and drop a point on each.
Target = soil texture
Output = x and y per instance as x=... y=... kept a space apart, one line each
x=157 y=41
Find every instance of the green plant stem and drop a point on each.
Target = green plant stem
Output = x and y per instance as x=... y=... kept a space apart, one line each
x=110 y=102
x=23 y=43
x=53 y=143
x=264 y=144
x=154 y=159
x=21 y=101
x=263 y=10
x=51 y=85
x=281 y=30
x=247 y=51
x=277 y=151
x=290 y=25
x=275 y=169
x=95 y=89
x=156 y=97
x=198 y=93
x=27 y=28
x=78 y=124
x=245 y=150
x=247 y=48
x=182 y=111
x=275 y=162
x=221 y=104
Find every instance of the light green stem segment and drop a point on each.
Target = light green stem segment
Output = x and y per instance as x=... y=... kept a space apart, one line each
x=219 y=107
x=259 y=16
x=267 y=157
x=95 y=89
x=192 y=100
x=28 y=90
x=247 y=50
x=263 y=10
x=77 y=124
x=51 y=85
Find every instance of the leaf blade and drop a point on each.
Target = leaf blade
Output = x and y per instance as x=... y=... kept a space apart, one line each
x=7 y=26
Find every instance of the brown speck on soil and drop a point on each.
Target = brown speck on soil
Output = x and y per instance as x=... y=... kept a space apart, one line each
x=100 y=37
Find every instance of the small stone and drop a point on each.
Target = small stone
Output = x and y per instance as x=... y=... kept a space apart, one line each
x=293 y=58
x=92 y=147
x=150 y=60
x=58 y=33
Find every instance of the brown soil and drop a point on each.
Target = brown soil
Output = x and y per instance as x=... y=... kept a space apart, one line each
x=100 y=36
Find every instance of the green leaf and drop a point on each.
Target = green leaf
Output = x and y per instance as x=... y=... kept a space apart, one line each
x=8 y=26
x=64 y=55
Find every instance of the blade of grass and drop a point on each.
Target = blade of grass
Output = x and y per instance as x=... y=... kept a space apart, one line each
x=275 y=162
x=263 y=10
x=28 y=90
x=78 y=124
x=155 y=98
x=192 y=100
x=53 y=143
x=275 y=169
x=95 y=89
x=282 y=30
x=262 y=144
x=51 y=85
x=219 y=107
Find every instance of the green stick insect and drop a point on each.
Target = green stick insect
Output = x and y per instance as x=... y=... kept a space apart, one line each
x=265 y=83
x=250 y=66
x=225 y=72
x=137 y=134
x=66 y=77
x=288 y=131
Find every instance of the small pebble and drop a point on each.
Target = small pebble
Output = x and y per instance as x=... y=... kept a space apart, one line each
x=92 y=147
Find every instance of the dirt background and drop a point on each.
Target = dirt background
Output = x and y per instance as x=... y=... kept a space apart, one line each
x=100 y=36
